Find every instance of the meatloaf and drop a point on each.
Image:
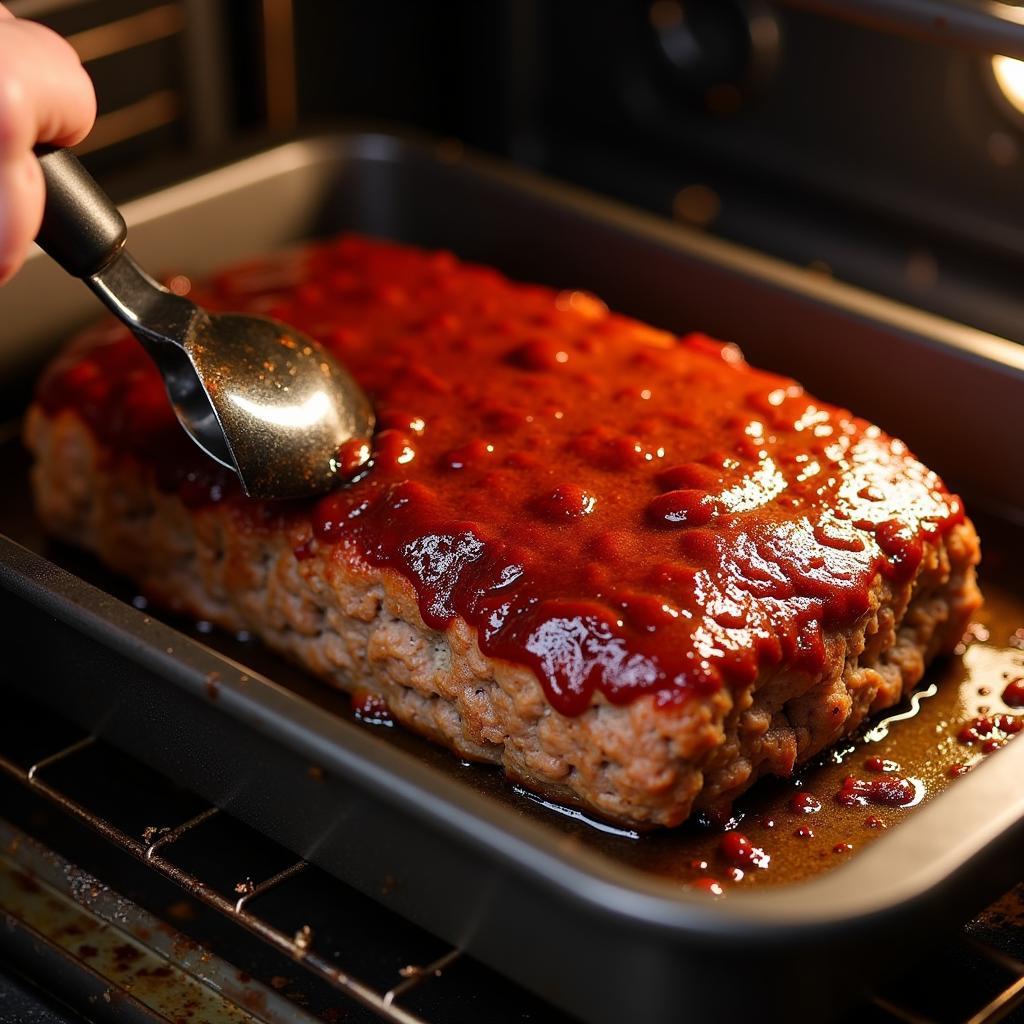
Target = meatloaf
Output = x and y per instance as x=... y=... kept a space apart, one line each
x=626 y=566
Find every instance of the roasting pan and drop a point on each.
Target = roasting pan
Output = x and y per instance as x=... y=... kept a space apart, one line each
x=450 y=846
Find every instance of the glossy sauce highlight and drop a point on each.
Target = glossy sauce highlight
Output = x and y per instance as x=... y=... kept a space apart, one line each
x=625 y=512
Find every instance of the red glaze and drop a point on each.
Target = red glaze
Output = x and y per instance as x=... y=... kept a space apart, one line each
x=1009 y=725
x=893 y=792
x=738 y=849
x=307 y=549
x=990 y=732
x=1013 y=693
x=352 y=456
x=625 y=512
x=976 y=729
x=370 y=707
x=708 y=885
x=805 y=803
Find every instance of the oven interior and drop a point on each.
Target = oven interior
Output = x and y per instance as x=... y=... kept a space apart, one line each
x=419 y=169
x=736 y=118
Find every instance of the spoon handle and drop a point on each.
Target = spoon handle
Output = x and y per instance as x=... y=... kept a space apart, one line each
x=82 y=229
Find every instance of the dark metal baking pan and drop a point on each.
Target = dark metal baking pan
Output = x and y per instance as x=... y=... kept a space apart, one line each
x=446 y=846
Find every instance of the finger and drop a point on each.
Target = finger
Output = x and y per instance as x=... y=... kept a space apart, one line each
x=21 y=210
x=45 y=93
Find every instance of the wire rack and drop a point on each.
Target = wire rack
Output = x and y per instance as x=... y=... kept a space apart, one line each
x=155 y=849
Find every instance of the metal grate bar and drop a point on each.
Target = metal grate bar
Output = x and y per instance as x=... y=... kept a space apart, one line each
x=1011 y=963
x=126 y=33
x=174 y=834
x=72 y=748
x=144 y=115
x=1011 y=997
x=900 y=1012
x=299 y=947
x=267 y=884
x=281 y=92
x=999 y=1007
x=415 y=975
x=1004 y=1004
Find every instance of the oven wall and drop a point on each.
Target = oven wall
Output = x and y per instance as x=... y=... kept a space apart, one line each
x=890 y=163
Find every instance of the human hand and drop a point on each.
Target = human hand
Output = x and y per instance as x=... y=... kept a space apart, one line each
x=45 y=96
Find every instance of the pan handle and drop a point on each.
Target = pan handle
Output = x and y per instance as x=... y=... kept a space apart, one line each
x=82 y=229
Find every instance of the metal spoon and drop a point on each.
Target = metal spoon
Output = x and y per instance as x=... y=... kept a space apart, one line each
x=256 y=395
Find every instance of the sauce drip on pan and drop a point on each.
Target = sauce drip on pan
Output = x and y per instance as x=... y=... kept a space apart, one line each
x=622 y=510
x=853 y=794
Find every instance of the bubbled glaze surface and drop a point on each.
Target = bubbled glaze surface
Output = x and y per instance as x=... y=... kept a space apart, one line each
x=622 y=510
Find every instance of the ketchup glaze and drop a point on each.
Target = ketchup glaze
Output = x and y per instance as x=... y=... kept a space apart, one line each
x=623 y=511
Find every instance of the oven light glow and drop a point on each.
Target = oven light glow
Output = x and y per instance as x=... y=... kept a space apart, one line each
x=1009 y=75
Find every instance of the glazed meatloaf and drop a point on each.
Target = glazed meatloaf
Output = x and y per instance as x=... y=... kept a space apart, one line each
x=626 y=566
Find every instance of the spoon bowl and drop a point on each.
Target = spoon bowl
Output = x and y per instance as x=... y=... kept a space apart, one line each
x=284 y=406
x=256 y=395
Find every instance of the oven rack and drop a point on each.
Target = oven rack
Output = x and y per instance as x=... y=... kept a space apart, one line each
x=155 y=849
x=300 y=946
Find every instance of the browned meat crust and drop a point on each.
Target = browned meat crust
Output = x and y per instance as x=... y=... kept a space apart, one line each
x=356 y=626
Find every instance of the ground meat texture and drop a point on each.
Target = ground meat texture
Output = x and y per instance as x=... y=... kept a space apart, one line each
x=355 y=626
x=639 y=620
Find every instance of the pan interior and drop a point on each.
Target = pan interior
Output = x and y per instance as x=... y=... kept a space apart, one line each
x=917 y=742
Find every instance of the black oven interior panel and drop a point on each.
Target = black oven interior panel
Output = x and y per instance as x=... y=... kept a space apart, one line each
x=892 y=163
x=889 y=162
